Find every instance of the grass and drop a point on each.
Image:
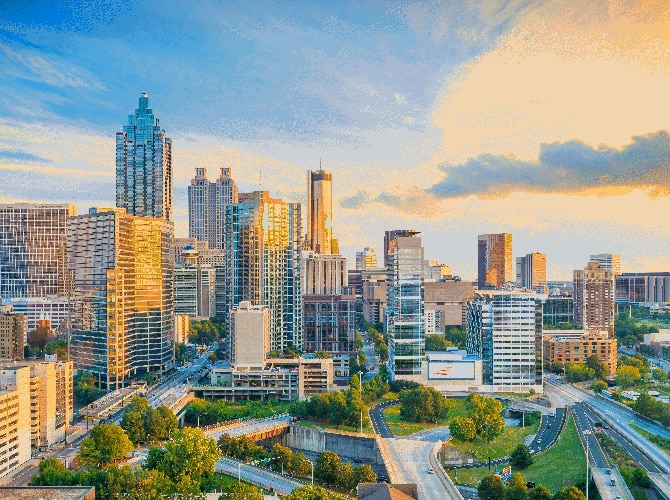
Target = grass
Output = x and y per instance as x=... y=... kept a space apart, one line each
x=501 y=446
x=661 y=442
x=559 y=466
x=401 y=428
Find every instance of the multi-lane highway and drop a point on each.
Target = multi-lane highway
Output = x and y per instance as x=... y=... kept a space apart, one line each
x=258 y=475
x=620 y=419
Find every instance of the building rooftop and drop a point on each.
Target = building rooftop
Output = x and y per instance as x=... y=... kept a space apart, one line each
x=48 y=493
x=374 y=491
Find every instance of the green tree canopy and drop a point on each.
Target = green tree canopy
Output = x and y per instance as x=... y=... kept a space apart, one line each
x=328 y=468
x=627 y=375
x=189 y=453
x=437 y=343
x=540 y=492
x=463 y=429
x=52 y=472
x=364 y=474
x=570 y=493
x=106 y=444
x=521 y=457
x=491 y=487
x=314 y=493
x=422 y=404
x=516 y=488
x=486 y=413
x=599 y=368
x=243 y=491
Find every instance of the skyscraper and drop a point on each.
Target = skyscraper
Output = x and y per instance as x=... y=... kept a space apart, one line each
x=494 y=260
x=608 y=261
x=33 y=250
x=366 y=259
x=531 y=272
x=405 y=306
x=320 y=212
x=263 y=264
x=593 y=295
x=505 y=330
x=207 y=206
x=144 y=165
x=122 y=269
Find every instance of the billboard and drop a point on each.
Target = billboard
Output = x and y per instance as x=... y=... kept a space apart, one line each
x=451 y=370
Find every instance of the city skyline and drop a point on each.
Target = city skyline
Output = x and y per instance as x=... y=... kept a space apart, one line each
x=568 y=150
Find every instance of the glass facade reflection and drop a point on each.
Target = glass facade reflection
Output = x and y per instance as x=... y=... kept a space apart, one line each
x=122 y=270
x=263 y=263
x=207 y=206
x=33 y=250
x=405 y=308
x=144 y=165
x=320 y=211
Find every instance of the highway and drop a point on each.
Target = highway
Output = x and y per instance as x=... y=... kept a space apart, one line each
x=620 y=420
x=258 y=475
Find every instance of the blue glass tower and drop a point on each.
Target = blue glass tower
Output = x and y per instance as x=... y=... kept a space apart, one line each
x=144 y=165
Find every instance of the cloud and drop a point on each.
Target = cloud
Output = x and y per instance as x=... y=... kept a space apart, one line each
x=567 y=167
x=21 y=156
x=360 y=199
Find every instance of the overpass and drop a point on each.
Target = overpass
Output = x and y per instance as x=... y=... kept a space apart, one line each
x=256 y=429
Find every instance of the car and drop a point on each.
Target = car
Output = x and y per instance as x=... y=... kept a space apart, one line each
x=552 y=414
x=539 y=441
x=612 y=482
x=549 y=425
x=606 y=426
x=430 y=470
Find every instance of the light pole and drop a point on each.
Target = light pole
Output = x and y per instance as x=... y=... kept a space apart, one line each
x=312 y=464
x=239 y=472
x=360 y=392
x=587 y=433
x=199 y=418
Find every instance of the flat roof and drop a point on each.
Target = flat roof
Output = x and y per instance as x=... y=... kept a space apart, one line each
x=48 y=492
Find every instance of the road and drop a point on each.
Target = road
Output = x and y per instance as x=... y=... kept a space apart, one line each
x=620 y=420
x=251 y=427
x=258 y=475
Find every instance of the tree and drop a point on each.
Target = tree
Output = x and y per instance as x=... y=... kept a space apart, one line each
x=491 y=487
x=189 y=453
x=38 y=338
x=322 y=354
x=437 y=343
x=57 y=347
x=456 y=335
x=422 y=404
x=463 y=429
x=106 y=444
x=659 y=375
x=313 y=493
x=540 y=492
x=85 y=388
x=364 y=474
x=521 y=457
x=300 y=465
x=599 y=368
x=52 y=472
x=570 y=493
x=170 y=424
x=516 y=488
x=578 y=373
x=243 y=491
x=133 y=423
x=627 y=375
x=328 y=467
x=486 y=412
x=598 y=386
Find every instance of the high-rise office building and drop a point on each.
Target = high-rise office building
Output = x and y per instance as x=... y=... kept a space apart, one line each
x=263 y=264
x=33 y=256
x=12 y=333
x=207 y=206
x=249 y=335
x=608 y=261
x=437 y=271
x=643 y=288
x=144 y=165
x=122 y=269
x=494 y=260
x=366 y=259
x=593 y=296
x=504 y=329
x=405 y=307
x=15 y=419
x=329 y=323
x=320 y=212
x=324 y=274
x=531 y=272
x=194 y=287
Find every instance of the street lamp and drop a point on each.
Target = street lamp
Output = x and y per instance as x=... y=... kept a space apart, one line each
x=199 y=418
x=360 y=392
x=587 y=433
x=312 y=464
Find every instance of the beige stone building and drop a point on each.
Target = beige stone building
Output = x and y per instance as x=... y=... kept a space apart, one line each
x=12 y=333
x=250 y=335
x=594 y=297
x=51 y=392
x=575 y=346
x=446 y=300
x=15 y=407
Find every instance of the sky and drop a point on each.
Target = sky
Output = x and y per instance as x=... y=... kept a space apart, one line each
x=545 y=119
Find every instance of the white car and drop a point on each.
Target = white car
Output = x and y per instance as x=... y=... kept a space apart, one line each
x=430 y=470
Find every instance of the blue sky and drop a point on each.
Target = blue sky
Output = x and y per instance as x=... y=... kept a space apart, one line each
x=544 y=119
